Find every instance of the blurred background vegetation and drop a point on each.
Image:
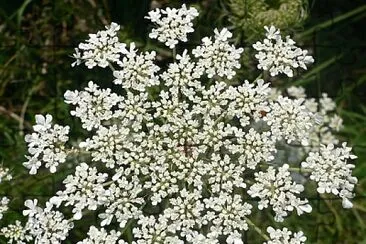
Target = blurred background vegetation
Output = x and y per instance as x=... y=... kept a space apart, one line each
x=37 y=39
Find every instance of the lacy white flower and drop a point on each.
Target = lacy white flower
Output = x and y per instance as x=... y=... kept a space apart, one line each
x=227 y=213
x=101 y=237
x=46 y=225
x=280 y=56
x=296 y=92
x=218 y=57
x=224 y=175
x=33 y=209
x=324 y=121
x=290 y=120
x=183 y=76
x=107 y=143
x=16 y=233
x=248 y=101
x=46 y=145
x=326 y=103
x=176 y=156
x=277 y=189
x=329 y=168
x=284 y=236
x=173 y=25
x=138 y=70
x=123 y=201
x=100 y=49
x=83 y=190
x=4 y=201
x=93 y=105
x=4 y=174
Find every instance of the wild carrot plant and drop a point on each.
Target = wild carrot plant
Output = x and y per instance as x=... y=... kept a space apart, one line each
x=179 y=155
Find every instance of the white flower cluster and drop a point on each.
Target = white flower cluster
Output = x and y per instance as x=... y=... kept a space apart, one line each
x=138 y=70
x=4 y=174
x=280 y=56
x=101 y=237
x=43 y=226
x=218 y=57
x=190 y=161
x=100 y=49
x=276 y=188
x=290 y=119
x=84 y=190
x=46 y=145
x=285 y=236
x=329 y=121
x=182 y=76
x=16 y=233
x=93 y=105
x=4 y=201
x=173 y=24
x=329 y=168
x=324 y=115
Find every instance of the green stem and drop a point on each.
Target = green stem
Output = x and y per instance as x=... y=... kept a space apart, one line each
x=256 y=228
x=332 y=21
x=111 y=66
x=21 y=10
x=22 y=113
x=174 y=53
x=307 y=77
x=260 y=76
x=218 y=119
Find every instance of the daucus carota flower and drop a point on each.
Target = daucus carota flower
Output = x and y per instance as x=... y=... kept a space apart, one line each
x=284 y=236
x=138 y=70
x=101 y=236
x=172 y=25
x=280 y=56
x=218 y=57
x=100 y=49
x=277 y=189
x=4 y=201
x=5 y=174
x=179 y=155
x=16 y=233
x=83 y=190
x=329 y=168
x=46 y=145
x=46 y=225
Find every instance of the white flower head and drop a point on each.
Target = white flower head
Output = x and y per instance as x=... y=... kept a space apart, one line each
x=101 y=236
x=137 y=70
x=180 y=155
x=46 y=145
x=285 y=236
x=5 y=174
x=333 y=174
x=172 y=25
x=276 y=188
x=218 y=57
x=16 y=233
x=100 y=49
x=42 y=123
x=4 y=201
x=280 y=56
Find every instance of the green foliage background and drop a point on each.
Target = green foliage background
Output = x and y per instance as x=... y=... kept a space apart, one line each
x=37 y=38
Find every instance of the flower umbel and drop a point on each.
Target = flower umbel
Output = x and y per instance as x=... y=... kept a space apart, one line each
x=100 y=49
x=218 y=57
x=280 y=56
x=173 y=24
x=178 y=155
x=46 y=144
